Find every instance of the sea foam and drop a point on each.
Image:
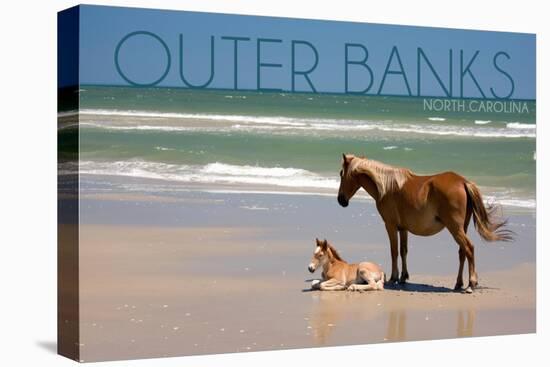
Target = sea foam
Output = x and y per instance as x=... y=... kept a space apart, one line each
x=519 y=125
x=213 y=173
x=244 y=178
x=183 y=122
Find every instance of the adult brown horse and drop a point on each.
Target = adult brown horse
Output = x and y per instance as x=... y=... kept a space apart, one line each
x=422 y=205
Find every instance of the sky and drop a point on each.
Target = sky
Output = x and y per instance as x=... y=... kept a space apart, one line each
x=144 y=58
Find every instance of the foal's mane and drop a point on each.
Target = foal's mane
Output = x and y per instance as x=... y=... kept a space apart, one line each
x=386 y=178
x=335 y=253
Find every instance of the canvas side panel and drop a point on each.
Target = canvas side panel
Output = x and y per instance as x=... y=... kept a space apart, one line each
x=68 y=343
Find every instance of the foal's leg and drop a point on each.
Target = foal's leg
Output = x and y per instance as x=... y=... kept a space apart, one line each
x=392 y=234
x=363 y=287
x=369 y=285
x=332 y=285
x=404 y=248
x=380 y=283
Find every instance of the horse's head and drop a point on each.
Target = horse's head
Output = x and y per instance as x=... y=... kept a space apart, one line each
x=320 y=255
x=348 y=183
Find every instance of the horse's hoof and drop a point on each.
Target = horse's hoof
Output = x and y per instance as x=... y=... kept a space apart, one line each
x=468 y=290
x=458 y=287
x=393 y=280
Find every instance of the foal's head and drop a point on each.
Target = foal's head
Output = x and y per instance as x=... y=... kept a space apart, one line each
x=322 y=255
x=348 y=184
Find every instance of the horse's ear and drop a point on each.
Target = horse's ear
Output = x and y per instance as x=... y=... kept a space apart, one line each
x=346 y=158
x=317 y=242
x=324 y=244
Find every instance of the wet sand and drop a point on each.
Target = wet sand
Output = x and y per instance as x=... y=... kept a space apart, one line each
x=216 y=273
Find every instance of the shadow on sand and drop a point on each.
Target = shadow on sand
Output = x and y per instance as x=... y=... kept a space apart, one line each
x=407 y=287
x=48 y=345
x=418 y=287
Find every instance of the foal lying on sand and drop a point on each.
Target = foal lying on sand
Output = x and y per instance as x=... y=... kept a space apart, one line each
x=339 y=275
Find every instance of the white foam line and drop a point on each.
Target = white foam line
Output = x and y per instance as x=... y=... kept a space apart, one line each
x=275 y=120
x=519 y=125
x=260 y=123
x=291 y=181
x=219 y=173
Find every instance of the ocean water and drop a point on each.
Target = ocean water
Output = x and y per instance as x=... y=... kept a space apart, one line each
x=203 y=140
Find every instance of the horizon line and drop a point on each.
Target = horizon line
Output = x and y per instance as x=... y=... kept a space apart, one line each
x=297 y=92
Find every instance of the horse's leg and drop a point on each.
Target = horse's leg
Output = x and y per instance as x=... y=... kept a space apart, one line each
x=461 y=258
x=403 y=237
x=456 y=215
x=332 y=285
x=392 y=234
x=380 y=283
x=462 y=252
x=316 y=284
x=471 y=264
x=363 y=287
x=468 y=248
x=370 y=282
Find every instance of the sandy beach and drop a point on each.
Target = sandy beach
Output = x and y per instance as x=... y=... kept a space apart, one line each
x=187 y=217
x=198 y=273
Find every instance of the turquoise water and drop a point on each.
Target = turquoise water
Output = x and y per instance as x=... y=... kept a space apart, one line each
x=296 y=140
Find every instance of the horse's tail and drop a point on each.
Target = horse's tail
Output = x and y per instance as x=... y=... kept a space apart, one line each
x=484 y=216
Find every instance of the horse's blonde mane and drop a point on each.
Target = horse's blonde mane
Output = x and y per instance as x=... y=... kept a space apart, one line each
x=335 y=253
x=386 y=178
